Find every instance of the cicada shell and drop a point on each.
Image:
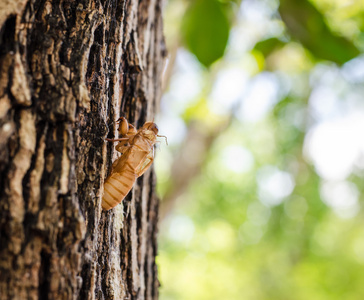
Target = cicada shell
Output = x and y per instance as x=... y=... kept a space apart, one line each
x=137 y=148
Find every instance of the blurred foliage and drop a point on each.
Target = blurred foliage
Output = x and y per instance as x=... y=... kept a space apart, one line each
x=270 y=211
x=305 y=23
x=205 y=29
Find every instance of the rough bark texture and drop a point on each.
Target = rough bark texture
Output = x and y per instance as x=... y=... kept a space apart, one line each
x=68 y=69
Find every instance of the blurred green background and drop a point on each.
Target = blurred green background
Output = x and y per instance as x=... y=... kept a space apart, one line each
x=261 y=184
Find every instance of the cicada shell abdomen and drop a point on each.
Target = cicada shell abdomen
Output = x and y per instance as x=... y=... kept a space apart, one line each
x=117 y=186
x=119 y=183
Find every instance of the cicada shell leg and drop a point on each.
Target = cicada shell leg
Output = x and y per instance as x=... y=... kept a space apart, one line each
x=132 y=130
x=117 y=140
x=122 y=148
x=123 y=126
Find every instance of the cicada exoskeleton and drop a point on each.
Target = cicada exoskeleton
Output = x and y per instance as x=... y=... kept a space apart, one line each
x=137 y=148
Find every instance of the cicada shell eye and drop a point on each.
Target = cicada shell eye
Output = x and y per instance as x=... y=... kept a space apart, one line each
x=151 y=126
x=155 y=128
x=123 y=126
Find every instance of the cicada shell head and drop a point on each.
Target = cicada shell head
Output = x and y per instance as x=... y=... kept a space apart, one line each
x=150 y=131
x=151 y=126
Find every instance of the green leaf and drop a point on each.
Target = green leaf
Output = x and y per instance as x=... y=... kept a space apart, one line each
x=306 y=24
x=268 y=46
x=205 y=29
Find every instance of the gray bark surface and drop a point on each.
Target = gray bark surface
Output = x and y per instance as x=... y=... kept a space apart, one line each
x=68 y=70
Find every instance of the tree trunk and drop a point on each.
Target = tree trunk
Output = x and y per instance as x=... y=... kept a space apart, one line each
x=68 y=70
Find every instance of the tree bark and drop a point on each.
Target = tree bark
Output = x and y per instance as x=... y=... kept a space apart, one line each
x=68 y=70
